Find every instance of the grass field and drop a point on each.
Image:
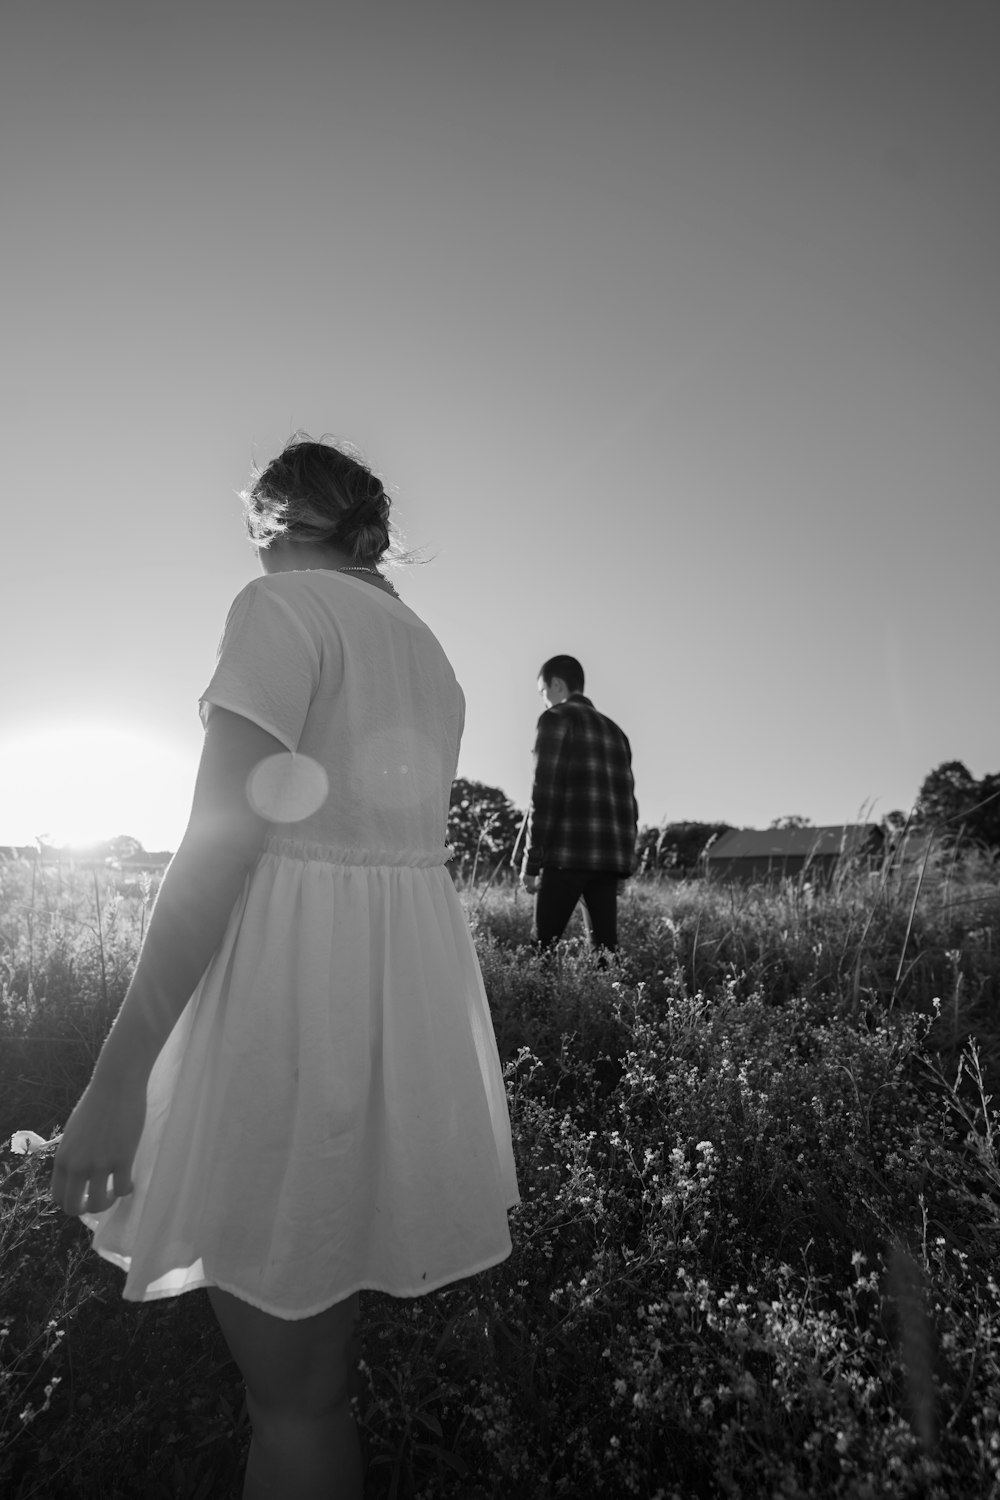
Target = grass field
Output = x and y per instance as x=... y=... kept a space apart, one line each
x=757 y=1250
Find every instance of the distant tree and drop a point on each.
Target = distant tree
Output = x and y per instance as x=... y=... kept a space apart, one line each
x=985 y=818
x=650 y=856
x=123 y=846
x=946 y=796
x=482 y=823
x=955 y=805
x=792 y=820
x=895 y=821
x=676 y=847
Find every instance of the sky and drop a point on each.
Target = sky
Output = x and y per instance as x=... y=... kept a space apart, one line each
x=672 y=328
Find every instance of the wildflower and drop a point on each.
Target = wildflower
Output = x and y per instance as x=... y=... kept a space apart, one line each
x=26 y=1142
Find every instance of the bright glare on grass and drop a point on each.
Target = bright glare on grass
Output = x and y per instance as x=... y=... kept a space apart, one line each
x=79 y=784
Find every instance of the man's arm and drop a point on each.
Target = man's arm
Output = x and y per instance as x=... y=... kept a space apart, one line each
x=546 y=790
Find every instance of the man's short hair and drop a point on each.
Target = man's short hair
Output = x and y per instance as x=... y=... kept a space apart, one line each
x=566 y=667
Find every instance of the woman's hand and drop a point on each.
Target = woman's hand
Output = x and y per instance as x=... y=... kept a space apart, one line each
x=93 y=1165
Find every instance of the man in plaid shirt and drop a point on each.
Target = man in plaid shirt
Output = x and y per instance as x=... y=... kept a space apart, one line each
x=582 y=823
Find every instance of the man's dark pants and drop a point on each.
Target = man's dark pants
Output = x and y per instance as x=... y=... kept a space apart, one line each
x=558 y=892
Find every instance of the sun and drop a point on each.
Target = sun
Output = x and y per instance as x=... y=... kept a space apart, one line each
x=80 y=784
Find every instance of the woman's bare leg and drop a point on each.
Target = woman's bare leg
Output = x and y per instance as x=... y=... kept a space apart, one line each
x=298 y=1375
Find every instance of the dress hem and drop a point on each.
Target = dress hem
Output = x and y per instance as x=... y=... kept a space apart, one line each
x=312 y=1311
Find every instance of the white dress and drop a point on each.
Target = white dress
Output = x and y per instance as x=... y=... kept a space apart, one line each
x=328 y=1114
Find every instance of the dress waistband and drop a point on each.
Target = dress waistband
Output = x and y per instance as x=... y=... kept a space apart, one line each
x=339 y=854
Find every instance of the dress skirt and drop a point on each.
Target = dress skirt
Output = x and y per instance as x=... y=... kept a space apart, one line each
x=328 y=1113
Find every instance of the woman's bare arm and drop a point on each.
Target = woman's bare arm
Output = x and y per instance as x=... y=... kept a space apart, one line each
x=194 y=904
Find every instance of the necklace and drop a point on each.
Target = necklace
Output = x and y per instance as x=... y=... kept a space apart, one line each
x=375 y=574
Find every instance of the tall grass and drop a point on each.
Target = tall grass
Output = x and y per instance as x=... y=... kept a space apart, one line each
x=755 y=1255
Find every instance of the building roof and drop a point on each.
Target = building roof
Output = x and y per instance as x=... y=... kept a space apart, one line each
x=795 y=843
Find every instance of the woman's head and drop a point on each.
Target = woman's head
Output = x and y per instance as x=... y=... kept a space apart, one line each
x=319 y=495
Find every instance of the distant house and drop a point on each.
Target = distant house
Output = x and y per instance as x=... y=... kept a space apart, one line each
x=773 y=853
x=913 y=848
x=48 y=854
x=157 y=859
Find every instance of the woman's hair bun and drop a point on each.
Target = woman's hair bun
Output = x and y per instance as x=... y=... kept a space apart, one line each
x=363 y=530
x=320 y=493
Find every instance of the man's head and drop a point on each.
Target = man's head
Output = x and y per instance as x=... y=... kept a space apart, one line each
x=558 y=678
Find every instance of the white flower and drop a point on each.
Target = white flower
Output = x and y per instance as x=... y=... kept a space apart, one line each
x=26 y=1142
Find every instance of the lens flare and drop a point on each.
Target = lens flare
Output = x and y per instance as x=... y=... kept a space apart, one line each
x=286 y=788
x=398 y=768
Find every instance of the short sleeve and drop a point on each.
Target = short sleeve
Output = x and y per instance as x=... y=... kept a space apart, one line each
x=268 y=665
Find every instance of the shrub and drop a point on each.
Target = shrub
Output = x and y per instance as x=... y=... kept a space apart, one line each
x=754 y=1255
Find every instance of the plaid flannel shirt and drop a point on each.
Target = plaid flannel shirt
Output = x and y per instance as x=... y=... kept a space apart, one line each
x=583 y=813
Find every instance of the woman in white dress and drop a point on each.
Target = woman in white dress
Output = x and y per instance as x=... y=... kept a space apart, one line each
x=301 y=1096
